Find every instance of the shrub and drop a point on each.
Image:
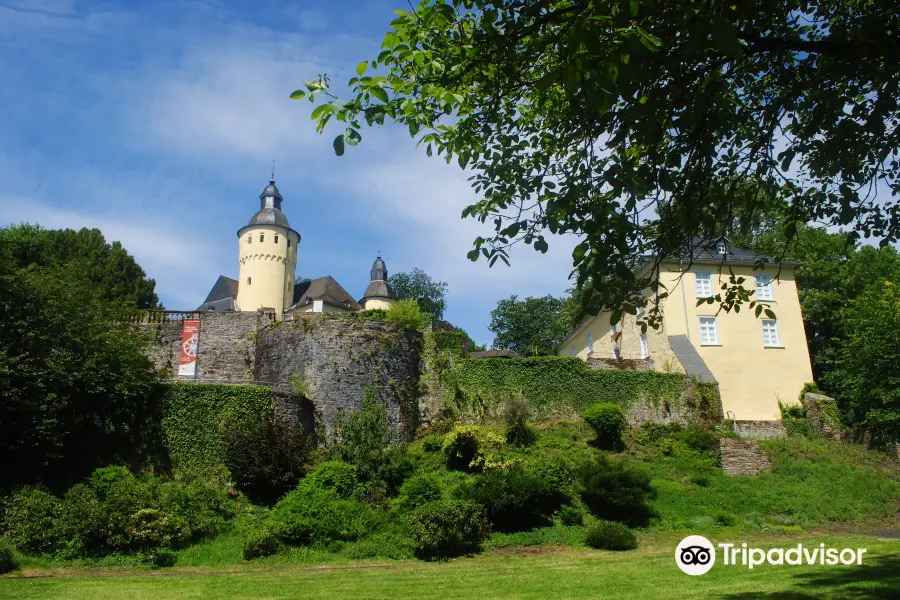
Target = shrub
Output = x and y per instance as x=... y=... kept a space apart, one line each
x=365 y=442
x=617 y=491
x=334 y=475
x=463 y=448
x=606 y=535
x=725 y=519
x=516 y=415
x=798 y=427
x=514 y=500
x=267 y=456
x=432 y=443
x=570 y=515
x=161 y=557
x=445 y=529
x=305 y=516
x=699 y=440
x=31 y=519
x=264 y=543
x=608 y=422
x=102 y=479
x=8 y=560
x=418 y=490
x=408 y=315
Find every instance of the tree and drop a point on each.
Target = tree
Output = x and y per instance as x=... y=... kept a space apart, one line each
x=419 y=286
x=534 y=326
x=109 y=267
x=77 y=389
x=619 y=121
x=865 y=367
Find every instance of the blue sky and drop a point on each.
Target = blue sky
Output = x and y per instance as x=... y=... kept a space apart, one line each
x=157 y=122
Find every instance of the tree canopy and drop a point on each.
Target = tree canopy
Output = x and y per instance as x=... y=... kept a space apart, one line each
x=532 y=327
x=77 y=389
x=419 y=286
x=619 y=121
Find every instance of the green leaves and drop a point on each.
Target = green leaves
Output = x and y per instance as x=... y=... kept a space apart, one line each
x=339 y=145
x=361 y=68
x=298 y=95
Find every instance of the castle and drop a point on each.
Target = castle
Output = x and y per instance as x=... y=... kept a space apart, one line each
x=267 y=254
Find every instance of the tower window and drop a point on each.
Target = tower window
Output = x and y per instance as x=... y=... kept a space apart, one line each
x=250 y=239
x=276 y=238
x=262 y=236
x=289 y=242
x=249 y=280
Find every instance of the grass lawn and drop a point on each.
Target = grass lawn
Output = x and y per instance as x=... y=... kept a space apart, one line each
x=648 y=572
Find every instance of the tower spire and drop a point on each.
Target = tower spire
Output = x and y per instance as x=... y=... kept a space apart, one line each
x=273 y=169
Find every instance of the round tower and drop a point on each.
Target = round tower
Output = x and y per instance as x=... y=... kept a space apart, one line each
x=379 y=293
x=267 y=249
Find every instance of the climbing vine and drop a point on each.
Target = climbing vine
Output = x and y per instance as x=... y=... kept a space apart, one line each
x=196 y=415
x=555 y=385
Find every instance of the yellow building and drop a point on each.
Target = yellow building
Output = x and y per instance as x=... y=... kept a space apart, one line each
x=267 y=265
x=756 y=361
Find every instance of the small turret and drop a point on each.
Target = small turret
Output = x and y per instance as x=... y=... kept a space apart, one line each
x=379 y=293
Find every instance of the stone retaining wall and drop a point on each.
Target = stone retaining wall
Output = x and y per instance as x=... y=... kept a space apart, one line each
x=743 y=457
x=760 y=430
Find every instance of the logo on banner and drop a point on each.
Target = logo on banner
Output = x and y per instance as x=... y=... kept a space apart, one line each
x=190 y=338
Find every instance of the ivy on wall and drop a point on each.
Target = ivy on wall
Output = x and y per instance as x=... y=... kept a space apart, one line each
x=196 y=414
x=554 y=384
x=443 y=349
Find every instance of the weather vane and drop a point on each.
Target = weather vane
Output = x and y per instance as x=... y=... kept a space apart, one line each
x=273 y=169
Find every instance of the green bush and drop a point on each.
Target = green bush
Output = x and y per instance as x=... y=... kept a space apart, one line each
x=117 y=512
x=698 y=439
x=8 y=560
x=161 y=557
x=606 y=535
x=617 y=491
x=334 y=475
x=462 y=448
x=513 y=499
x=445 y=529
x=570 y=515
x=31 y=519
x=408 y=315
x=266 y=455
x=307 y=516
x=264 y=543
x=432 y=443
x=608 y=422
x=798 y=427
x=516 y=416
x=418 y=490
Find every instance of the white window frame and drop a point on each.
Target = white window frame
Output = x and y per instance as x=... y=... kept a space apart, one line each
x=707 y=325
x=590 y=341
x=764 y=290
x=645 y=346
x=703 y=284
x=770 y=327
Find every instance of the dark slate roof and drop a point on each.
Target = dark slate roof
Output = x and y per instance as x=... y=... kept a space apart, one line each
x=378 y=289
x=269 y=216
x=708 y=250
x=271 y=190
x=225 y=304
x=692 y=362
x=326 y=289
x=224 y=289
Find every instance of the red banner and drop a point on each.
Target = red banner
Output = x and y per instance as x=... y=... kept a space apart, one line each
x=190 y=337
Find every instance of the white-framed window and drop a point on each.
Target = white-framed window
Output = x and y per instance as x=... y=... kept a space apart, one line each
x=573 y=349
x=704 y=283
x=645 y=346
x=590 y=341
x=771 y=339
x=262 y=237
x=764 y=287
x=276 y=238
x=250 y=238
x=709 y=331
x=249 y=280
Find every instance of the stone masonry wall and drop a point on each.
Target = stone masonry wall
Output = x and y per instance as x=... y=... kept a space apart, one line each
x=743 y=457
x=760 y=430
x=225 y=349
x=335 y=359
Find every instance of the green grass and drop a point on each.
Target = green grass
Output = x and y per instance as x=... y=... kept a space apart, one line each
x=648 y=572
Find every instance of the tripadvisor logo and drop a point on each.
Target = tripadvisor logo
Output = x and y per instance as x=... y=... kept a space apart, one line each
x=695 y=555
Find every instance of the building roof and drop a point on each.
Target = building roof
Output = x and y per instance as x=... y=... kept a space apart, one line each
x=378 y=289
x=699 y=249
x=222 y=295
x=326 y=289
x=269 y=216
x=690 y=359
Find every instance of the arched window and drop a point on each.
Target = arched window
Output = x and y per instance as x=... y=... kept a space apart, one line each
x=250 y=239
x=249 y=280
x=276 y=238
x=262 y=236
x=289 y=242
